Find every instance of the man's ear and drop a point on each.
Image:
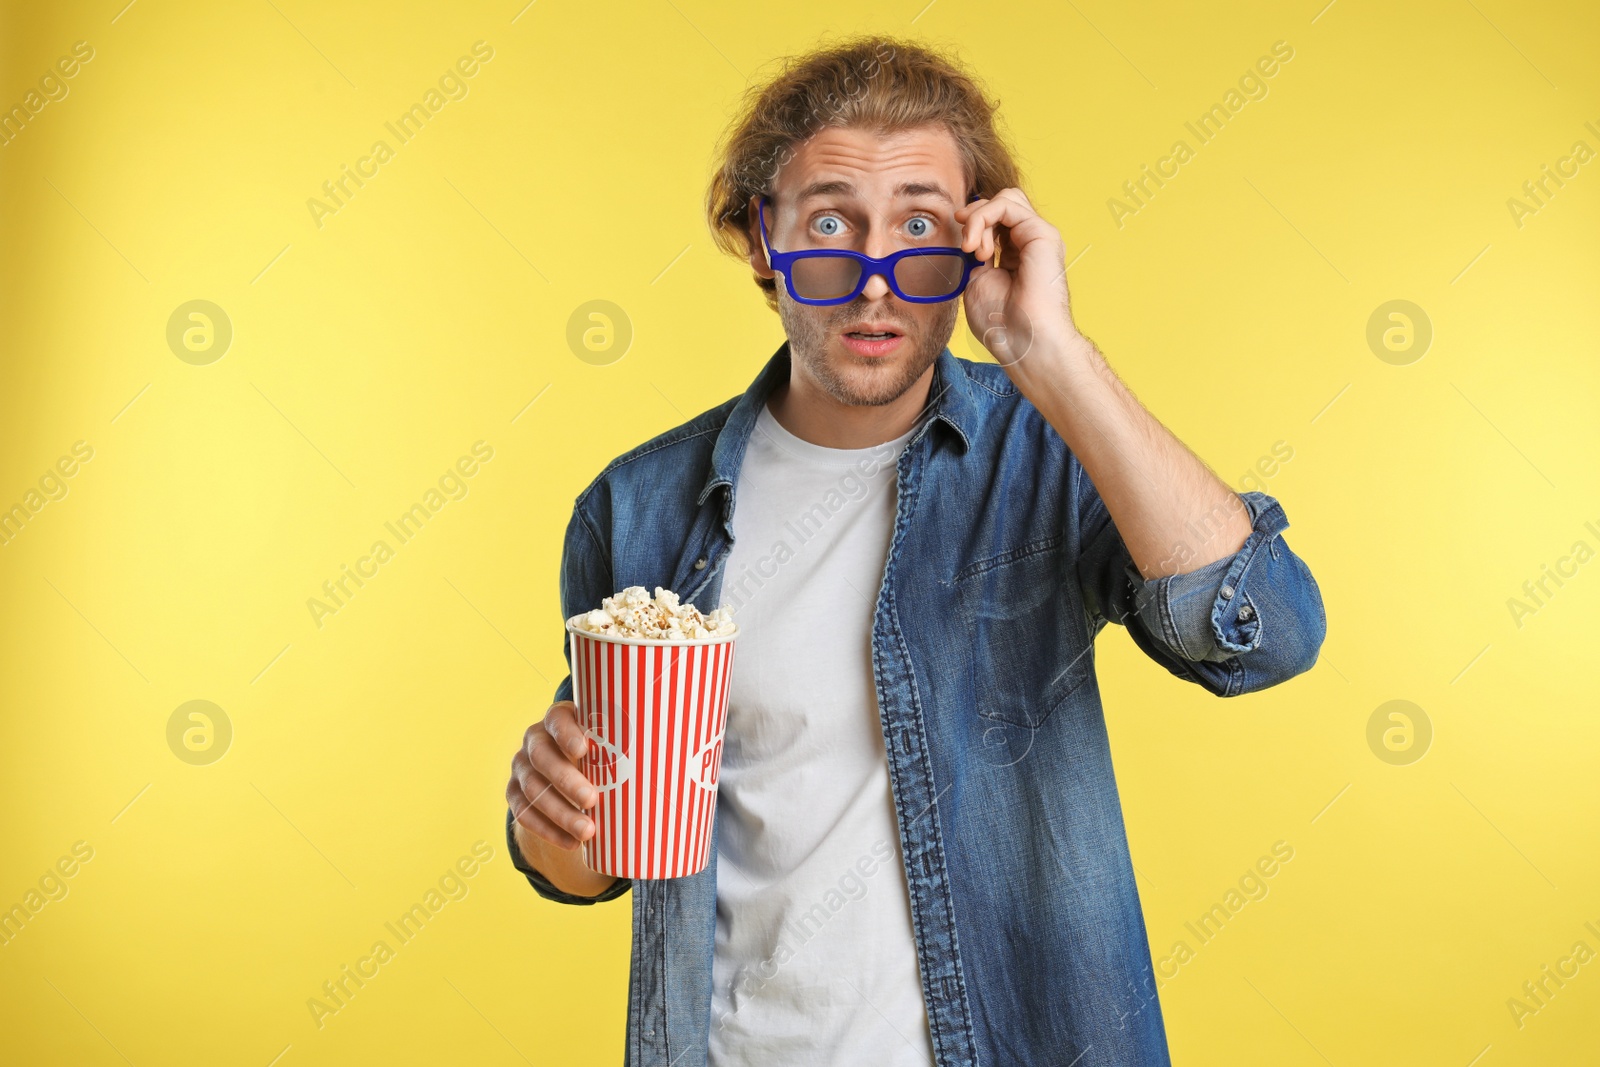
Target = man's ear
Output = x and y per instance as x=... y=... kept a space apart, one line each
x=758 y=255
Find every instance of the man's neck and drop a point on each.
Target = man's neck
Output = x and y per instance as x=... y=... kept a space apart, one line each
x=811 y=414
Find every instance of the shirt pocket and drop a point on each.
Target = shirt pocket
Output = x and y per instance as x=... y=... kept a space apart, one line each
x=1026 y=632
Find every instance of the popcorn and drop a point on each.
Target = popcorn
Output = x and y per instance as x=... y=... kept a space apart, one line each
x=632 y=613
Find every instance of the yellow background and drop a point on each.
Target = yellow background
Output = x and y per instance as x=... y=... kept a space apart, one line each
x=368 y=354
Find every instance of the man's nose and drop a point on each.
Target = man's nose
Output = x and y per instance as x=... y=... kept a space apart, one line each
x=879 y=243
x=877 y=288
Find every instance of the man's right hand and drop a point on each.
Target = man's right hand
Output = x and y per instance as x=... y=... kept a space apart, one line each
x=548 y=795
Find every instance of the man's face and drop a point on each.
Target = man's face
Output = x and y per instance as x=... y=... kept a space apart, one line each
x=852 y=188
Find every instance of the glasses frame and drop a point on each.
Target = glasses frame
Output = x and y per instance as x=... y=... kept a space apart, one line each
x=870 y=266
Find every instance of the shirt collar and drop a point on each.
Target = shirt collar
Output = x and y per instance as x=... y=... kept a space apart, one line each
x=953 y=404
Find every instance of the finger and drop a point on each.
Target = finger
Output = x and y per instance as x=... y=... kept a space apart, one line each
x=969 y=228
x=1031 y=234
x=556 y=808
x=561 y=723
x=999 y=229
x=539 y=794
x=978 y=236
x=536 y=823
x=1009 y=207
x=558 y=770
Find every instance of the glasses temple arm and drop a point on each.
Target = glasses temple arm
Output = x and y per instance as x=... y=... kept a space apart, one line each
x=761 y=214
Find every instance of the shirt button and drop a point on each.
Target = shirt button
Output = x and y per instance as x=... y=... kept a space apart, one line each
x=1227 y=592
x=700 y=564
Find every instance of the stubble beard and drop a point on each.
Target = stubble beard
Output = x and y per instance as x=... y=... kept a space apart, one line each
x=862 y=381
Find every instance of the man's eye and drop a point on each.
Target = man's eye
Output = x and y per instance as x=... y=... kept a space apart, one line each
x=829 y=226
x=919 y=227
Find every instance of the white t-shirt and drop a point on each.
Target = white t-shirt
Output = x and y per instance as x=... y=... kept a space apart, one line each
x=815 y=962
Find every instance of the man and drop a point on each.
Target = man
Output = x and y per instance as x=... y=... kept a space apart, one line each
x=919 y=853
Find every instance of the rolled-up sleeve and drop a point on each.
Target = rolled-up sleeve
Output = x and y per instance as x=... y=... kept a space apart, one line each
x=585 y=580
x=1236 y=625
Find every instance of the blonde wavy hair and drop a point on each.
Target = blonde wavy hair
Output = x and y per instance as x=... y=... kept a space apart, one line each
x=871 y=82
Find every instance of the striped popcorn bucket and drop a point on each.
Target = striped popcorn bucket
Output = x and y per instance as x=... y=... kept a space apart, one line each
x=654 y=713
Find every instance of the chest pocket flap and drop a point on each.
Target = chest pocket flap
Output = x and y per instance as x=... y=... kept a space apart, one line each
x=1029 y=642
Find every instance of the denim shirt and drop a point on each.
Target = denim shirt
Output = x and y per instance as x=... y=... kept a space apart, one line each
x=1003 y=566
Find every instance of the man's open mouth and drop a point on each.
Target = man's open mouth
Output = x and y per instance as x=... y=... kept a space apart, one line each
x=872 y=335
x=872 y=339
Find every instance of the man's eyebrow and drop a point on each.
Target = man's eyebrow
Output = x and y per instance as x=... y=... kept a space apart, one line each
x=924 y=189
x=839 y=187
x=832 y=187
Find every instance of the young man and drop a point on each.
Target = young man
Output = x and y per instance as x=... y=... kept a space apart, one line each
x=919 y=853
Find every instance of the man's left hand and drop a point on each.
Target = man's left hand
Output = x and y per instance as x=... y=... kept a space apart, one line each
x=1020 y=307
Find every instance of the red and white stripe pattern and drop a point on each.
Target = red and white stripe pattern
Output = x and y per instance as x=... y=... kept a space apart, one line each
x=654 y=713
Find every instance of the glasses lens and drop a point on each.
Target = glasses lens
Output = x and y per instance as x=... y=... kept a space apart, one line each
x=929 y=276
x=825 y=277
